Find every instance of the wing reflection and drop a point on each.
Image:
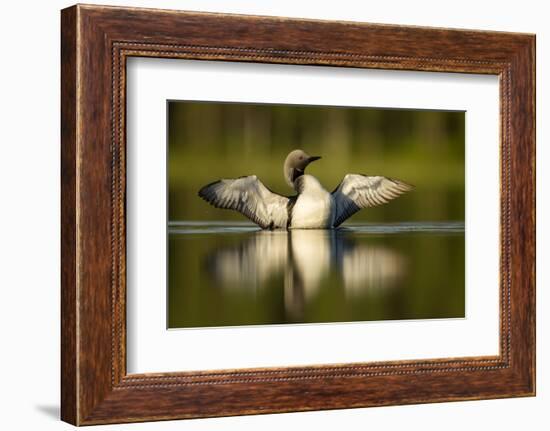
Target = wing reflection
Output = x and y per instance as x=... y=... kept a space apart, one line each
x=250 y=263
x=372 y=268
x=307 y=260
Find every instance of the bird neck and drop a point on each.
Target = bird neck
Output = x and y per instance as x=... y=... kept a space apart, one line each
x=307 y=184
x=292 y=174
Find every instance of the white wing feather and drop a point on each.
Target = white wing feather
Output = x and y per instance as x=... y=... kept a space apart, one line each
x=361 y=191
x=251 y=198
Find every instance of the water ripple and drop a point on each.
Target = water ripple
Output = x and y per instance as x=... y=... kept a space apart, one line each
x=224 y=227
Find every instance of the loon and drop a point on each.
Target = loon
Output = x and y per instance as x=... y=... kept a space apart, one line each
x=312 y=207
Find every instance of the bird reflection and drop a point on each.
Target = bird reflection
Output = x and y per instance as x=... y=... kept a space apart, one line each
x=306 y=258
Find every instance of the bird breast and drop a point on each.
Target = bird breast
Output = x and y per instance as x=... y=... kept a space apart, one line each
x=314 y=207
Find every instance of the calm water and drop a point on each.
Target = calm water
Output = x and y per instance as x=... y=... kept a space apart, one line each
x=231 y=273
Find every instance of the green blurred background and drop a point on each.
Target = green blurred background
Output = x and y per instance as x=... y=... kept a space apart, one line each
x=208 y=141
x=218 y=275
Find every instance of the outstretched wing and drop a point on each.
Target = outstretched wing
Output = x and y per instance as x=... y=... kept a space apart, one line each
x=362 y=191
x=251 y=198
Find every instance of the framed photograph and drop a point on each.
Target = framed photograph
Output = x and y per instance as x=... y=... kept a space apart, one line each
x=264 y=215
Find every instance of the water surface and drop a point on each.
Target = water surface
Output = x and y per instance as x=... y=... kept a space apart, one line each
x=232 y=273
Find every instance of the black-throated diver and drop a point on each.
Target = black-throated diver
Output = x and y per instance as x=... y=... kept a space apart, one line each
x=312 y=207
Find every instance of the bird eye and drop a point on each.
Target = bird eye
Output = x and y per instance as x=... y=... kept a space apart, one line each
x=301 y=157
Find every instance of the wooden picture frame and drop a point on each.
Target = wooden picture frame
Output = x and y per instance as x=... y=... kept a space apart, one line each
x=95 y=43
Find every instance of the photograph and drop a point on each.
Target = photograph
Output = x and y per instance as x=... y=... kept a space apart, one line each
x=301 y=214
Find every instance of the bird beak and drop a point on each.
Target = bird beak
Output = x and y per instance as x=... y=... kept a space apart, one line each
x=313 y=158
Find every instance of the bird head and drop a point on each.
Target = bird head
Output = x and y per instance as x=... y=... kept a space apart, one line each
x=295 y=165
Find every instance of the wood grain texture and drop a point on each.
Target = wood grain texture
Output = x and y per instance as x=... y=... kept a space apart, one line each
x=69 y=366
x=96 y=41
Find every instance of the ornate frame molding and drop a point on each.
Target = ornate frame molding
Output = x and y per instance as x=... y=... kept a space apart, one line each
x=96 y=41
